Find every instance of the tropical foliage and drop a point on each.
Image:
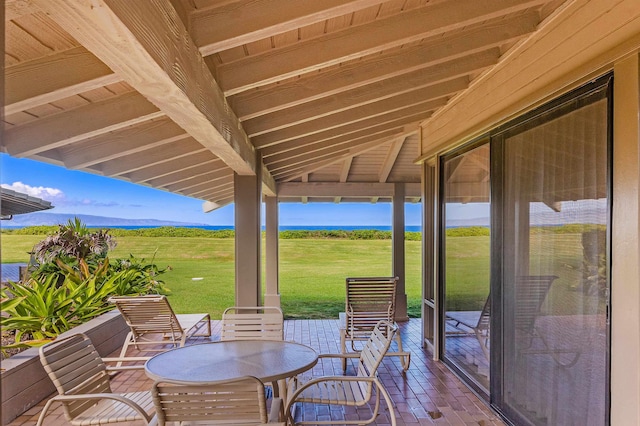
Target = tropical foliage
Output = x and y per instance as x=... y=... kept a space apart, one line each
x=70 y=283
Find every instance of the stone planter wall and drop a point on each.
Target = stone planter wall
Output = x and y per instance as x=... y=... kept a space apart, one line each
x=24 y=381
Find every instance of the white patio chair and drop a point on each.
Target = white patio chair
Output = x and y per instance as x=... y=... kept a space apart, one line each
x=369 y=300
x=252 y=323
x=232 y=402
x=355 y=391
x=151 y=321
x=82 y=380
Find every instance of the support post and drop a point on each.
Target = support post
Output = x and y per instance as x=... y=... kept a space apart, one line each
x=398 y=251
x=625 y=251
x=272 y=293
x=247 y=198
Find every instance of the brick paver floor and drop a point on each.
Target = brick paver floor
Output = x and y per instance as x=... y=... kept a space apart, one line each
x=427 y=394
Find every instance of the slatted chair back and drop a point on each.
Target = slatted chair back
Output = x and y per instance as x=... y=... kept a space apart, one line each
x=75 y=368
x=149 y=314
x=368 y=301
x=374 y=351
x=531 y=292
x=252 y=323
x=235 y=402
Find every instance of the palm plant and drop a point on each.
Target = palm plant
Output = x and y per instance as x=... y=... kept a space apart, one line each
x=75 y=241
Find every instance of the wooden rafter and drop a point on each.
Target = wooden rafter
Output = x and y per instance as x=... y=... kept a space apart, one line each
x=390 y=159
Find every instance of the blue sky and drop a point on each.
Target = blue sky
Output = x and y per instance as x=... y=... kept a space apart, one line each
x=77 y=192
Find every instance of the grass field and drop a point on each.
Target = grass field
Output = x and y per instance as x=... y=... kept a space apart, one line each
x=312 y=272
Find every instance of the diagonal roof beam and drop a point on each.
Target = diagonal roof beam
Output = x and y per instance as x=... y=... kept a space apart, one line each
x=88 y=121
x=216 y=28
x=40 y=81
x=390 y=159
x=434 y=77
x=147 y=45
x=357 y=41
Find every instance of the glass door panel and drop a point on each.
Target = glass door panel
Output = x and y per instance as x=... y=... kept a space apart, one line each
x=466 y=264
x=554 y=286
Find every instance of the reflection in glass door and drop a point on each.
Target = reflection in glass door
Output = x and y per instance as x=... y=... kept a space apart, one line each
x=554 y=283
x=466 y=264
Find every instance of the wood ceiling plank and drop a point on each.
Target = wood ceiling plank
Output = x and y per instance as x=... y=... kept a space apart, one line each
x=436 y=76
x=149 y=47
x=362 y=40
x=289 y=137
x=14 y=9
x=215 y=29
x=129 y=141
x=380 y=67
x=78 y=124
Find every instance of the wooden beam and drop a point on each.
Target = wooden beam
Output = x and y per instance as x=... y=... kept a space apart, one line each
x=397 y=62
x=354 y=42
x=295 y=171
x=128 y=141
x=146 y=43
x=447 y=74
x=311 y=151
x=269 y=186
x=216 y=28
x=14 y=9
x=413 y=114
x=44 y=80
x=380 y=110
x=193 y=177
x=197 y=183
x=390 y=159
x=78 y=124
x=346 y=167
x=150 y=157
x=344 y=190
x=178 y=165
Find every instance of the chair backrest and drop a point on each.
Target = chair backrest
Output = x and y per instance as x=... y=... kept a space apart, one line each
x=376 y=347
x=148 y=314
x=75 y=368
x=531 y=292
x=373 y=352
x=484 y=321
x=252 y=323
x=368 y=301
x=238 y=401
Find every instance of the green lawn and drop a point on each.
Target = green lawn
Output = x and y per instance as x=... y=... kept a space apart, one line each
x=312 y=272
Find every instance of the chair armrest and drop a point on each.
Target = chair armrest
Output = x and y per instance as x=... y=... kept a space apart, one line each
x=346 y=355
x=126 y=359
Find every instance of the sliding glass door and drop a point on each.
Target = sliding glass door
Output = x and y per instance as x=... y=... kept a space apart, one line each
x=524 y=269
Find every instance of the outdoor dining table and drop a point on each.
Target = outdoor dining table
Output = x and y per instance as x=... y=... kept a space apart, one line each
x=268 y=360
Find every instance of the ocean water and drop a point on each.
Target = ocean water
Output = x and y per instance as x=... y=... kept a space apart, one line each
x=409 y=228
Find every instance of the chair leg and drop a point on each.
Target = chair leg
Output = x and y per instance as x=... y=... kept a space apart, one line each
x=405 y=359
x=127 y=341
x=343 y=348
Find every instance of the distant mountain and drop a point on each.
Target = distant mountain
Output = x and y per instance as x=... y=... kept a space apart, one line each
x=34 y=219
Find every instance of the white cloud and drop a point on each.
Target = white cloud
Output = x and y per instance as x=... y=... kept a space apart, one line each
x=49 y=194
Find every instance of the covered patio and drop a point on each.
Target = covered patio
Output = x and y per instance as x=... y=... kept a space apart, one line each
x=428 y=394
x=261 y=102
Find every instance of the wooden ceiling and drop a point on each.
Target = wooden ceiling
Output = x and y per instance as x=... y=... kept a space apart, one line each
x=323 y=97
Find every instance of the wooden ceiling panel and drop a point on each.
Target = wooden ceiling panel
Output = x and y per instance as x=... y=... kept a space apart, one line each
x=179 y=95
